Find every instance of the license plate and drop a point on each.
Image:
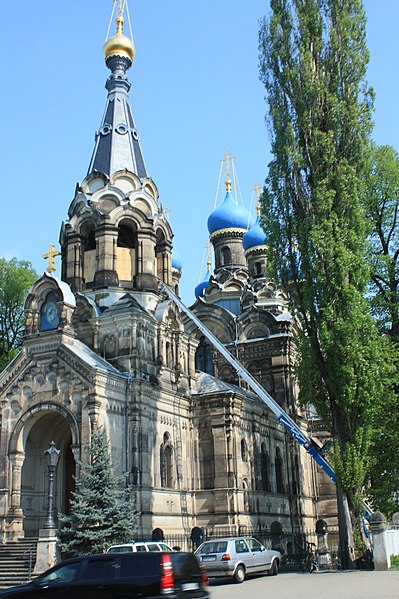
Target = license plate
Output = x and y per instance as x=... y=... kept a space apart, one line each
x=190 y=586
x=209 y=558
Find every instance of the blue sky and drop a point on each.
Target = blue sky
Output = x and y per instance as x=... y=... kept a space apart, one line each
x=195 y=94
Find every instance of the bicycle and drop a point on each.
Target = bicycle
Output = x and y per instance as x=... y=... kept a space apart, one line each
x=310 y=562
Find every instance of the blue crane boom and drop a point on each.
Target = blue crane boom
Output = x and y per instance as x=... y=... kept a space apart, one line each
x=267 y=399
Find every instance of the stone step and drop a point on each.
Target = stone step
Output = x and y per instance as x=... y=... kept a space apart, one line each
x=15 y=558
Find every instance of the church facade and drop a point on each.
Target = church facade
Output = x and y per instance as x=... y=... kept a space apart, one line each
x=104 y=347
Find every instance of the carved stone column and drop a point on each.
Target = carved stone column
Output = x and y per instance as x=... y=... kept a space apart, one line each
x=15 y=528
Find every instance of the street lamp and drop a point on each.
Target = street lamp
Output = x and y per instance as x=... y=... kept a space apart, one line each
x=52 y=454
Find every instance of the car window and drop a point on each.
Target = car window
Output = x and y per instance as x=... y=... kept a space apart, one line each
x=141 y=548
x=212 y=547
x=241 y=546
x=164 y=547
x=119 y=549
x=140 y=566
x=254 y=545
x=153 y=547
x=65 y=573
x=100 y=569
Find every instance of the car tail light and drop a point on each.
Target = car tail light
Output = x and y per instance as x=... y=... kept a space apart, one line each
x=167 y=578
x=204 y=577
x=226 y=557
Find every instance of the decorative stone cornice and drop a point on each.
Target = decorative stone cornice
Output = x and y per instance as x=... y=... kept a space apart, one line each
x=228 y=232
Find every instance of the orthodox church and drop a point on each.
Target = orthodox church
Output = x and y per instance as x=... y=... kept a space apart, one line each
x=105 y=347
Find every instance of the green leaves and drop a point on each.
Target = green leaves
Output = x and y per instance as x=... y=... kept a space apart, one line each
x=313 y=60
x=16 y=278
x=102 y=512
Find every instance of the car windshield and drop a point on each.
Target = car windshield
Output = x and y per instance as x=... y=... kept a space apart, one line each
x=212 y=547
x=65 y=573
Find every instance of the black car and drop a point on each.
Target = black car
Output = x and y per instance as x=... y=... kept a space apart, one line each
x=119 y=576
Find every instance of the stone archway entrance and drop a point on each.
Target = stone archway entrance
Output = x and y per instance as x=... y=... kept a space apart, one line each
x=50 y=426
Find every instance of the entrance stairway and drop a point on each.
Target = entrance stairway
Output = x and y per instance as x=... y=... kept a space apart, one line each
x=17 y=561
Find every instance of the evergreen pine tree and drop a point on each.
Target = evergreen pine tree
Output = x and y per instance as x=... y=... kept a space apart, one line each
x=102 y=512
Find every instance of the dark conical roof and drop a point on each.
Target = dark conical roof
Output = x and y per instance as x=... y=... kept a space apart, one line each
x=117 y=143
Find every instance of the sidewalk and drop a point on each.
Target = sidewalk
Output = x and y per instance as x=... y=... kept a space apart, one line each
x=354 y=584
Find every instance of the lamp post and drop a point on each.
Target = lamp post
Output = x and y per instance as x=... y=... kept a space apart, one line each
x=52 y=454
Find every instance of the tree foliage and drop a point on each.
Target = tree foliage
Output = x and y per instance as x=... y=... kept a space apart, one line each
x=313 y=60
x=382 y=208
x=16 y=278
x=102 y=512
x=381 y=200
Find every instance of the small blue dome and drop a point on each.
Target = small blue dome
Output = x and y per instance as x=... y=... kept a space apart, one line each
x=176 y=260
x=255 y=237
x=229 y=216
x=200 y=288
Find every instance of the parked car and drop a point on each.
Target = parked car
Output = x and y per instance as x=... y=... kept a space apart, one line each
x=139 y=546
x=237 y=557
x=113 y=576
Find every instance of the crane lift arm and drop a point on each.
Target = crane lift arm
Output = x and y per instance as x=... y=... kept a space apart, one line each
x=267 y=399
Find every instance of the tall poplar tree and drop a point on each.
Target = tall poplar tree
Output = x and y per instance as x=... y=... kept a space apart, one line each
x=313 y=61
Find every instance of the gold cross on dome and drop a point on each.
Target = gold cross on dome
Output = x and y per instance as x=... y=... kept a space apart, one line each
x=257 y=189
x=50 y=257
x=226 y=160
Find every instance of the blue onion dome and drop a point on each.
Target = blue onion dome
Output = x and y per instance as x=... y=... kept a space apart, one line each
x=255 y=237
x=229 y=215
x=177 y=263
x=199 y=291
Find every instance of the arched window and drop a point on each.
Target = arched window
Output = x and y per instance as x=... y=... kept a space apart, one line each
x=126 y=253
x=166 y=462
x=244 y=452
x=265 y=469
x=258 y=269
x=88 y=256
x=126 y=237
x=206 y=453
x=225 y=256
x=278 y=464
x=169 y=355
x=160 y=256
x=90 y=241
x=204 y=357
x=245 y=488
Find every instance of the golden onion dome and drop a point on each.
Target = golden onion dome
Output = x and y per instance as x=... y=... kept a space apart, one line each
x=119 y=45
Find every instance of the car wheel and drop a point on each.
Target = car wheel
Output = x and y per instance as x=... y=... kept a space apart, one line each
x=239 y=574
x=274 y=568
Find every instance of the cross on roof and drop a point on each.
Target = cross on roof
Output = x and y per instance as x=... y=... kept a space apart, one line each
x=50 y=257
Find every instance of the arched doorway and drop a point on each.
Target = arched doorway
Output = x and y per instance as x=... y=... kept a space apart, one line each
x=47 y=427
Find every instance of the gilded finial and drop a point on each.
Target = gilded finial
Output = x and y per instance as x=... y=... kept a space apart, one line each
x=258 y=209
x=50 y=257
x=120 y=44
x=208 y=264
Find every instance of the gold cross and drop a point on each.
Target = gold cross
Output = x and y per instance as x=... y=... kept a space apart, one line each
x=119 y=19
x=226 y=160
x=257 y=189
x=50 y=257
